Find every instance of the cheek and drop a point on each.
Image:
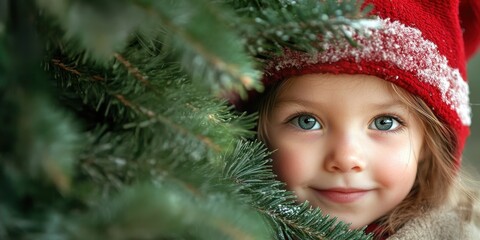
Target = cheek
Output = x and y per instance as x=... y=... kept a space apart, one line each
x=291 y=167
x=397 y=168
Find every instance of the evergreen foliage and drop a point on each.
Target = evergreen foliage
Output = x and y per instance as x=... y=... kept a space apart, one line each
x=113 y=125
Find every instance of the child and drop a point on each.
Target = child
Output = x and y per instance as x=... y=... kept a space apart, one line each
x=374 y=134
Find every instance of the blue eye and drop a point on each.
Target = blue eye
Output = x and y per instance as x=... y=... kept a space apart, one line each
x=306 y=122
x=384 y=123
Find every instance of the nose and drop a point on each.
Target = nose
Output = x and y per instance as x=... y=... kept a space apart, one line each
x=345 y=154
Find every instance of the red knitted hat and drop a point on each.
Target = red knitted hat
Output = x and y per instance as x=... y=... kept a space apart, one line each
x=420 y=45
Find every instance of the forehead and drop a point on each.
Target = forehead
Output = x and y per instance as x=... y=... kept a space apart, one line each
x=312 y=87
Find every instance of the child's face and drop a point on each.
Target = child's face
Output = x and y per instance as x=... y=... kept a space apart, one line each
x=346 y=143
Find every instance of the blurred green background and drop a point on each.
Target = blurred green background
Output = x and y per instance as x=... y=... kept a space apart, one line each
x=471 y=157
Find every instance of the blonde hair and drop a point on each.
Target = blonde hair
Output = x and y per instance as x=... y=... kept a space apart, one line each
x=266 y=106
x=437 y=174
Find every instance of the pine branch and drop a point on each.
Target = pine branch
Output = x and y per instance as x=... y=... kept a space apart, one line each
x=303 y=25
x=40 y=140
x=209 y=50
x=166 y=211
x=191 y=31
x=153 y=116
x=100 y=165
x=96 y=29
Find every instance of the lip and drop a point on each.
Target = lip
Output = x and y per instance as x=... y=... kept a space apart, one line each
x=342 y=195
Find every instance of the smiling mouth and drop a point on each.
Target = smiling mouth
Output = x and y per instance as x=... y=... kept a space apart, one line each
x=342 y=195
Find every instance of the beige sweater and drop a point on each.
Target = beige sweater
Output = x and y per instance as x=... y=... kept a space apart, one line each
x=460 y=222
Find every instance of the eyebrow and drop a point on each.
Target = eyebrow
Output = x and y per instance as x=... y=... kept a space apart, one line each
x=297 y=101
x=390 y=104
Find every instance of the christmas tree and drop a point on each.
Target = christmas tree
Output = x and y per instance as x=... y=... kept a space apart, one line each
x=115 y=126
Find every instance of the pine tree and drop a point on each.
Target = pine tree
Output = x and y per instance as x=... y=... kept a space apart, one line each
x=114 y=125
